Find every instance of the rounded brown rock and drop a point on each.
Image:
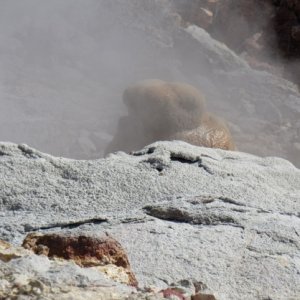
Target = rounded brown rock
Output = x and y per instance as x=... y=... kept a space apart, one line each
x=86 y=251
x=213 y=133
x=156 y=110
x=165 y=107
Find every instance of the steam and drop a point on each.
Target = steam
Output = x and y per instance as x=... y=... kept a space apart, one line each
x=64 y=65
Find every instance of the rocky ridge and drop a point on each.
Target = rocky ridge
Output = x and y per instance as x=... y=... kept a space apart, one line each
x=227 y=220
x=266 y=33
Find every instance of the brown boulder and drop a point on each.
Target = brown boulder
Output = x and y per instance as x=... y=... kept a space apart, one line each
x=164 y=107
x=156 y=110
x=213 y=133
x=85 y=251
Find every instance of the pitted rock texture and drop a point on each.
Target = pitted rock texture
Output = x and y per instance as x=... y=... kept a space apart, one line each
x=85 y=251
x=226 y=219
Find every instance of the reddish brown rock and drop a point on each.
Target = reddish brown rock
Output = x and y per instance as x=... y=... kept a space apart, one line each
x=85 y=251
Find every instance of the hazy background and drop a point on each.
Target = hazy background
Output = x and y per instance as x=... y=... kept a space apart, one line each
x=65 y=63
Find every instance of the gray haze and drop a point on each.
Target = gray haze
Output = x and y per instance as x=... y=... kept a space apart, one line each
x=65 y=63
x=63 y=67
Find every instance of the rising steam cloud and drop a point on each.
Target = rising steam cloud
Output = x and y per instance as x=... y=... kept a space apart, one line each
x=64 y=65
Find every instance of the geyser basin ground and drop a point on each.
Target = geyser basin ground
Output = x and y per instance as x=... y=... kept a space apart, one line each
x=228 y=219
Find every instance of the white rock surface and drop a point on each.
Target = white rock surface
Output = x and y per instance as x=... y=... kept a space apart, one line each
x=228 y=219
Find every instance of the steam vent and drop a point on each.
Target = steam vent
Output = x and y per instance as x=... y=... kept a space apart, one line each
x=150 y=149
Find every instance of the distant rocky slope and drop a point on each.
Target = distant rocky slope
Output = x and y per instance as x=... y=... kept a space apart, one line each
x=266 y=32
x=62 y=94
x=198 y=218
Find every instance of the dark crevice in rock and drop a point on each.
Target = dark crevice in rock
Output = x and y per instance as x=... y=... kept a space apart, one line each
x=215 y=219
x=55 y=165
x=182 y=216
x=182 y=159
x=203 y=199
x=2 y=153
x=206 y=199
x=66 y=225
x=133 y=220
x=156 y=164
x=230 y=201
x=204 y=167
x=169 y=213
x=190 y=160
x=208 y=156
x=70 y=175
x=159 y=168
x=287 y=214
x=28 y=152
x=263 y=211
x=270 y=253
x=229 y=158
x=258 y=251
x=141 y=153
x=278 y=238
x=239 y=210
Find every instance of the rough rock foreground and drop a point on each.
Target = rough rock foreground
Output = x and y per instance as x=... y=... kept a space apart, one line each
x=227 y=220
